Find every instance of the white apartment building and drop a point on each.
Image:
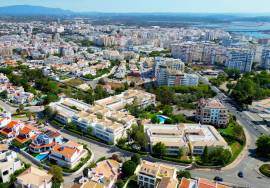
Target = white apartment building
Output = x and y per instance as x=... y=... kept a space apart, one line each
x=9 y=163
x=170 y=72
x=118 y=102
x=212 y=111
x=106 y=124
x=66 y=108
x=191 y=137
x=155 y=175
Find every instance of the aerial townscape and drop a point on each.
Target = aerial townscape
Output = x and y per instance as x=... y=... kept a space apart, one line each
x=133 y=99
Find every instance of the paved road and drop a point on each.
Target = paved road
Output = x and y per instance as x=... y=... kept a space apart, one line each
x=249 y=164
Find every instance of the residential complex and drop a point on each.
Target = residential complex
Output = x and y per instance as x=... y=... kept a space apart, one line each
x=191 y=137
x=106 y=117
x=212 y=111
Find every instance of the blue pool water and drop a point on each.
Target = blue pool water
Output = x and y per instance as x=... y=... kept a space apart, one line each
x=162 y=119
x=41 y=157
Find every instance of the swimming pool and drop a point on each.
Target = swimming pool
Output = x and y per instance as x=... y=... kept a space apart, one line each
x=41 y=157
x=161 y=119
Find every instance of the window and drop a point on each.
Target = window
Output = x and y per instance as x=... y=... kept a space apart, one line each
x=5 y=172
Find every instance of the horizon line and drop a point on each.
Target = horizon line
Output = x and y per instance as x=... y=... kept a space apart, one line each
x=139 y=12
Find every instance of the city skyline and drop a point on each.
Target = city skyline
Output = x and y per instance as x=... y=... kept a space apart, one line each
x=169 y=6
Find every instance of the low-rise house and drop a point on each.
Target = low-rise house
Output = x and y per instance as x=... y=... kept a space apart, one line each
x=27 y=133
x=3 y=79
x=105 y=174
x=67 y=155
x=34 y=178
x=46 y=141
x=11 y=130
x=9 y=163
x=5 y=118
x=22 y=97
x=193 y=137
x=155 y=175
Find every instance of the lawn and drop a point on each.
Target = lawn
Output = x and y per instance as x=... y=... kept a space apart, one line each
x=74 y=82
x=236 y=148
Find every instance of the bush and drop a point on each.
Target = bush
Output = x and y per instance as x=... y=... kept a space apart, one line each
x=128 y=168
x=265 y=169
x=183 y=173
x=120 y=184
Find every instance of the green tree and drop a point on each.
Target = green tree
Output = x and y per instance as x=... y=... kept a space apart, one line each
x=4 y=94
x=205 y=154
x=21 y=107
x=263 y=146
x=128 y=168
x=136 y=158
x=57 y=173
x=154 y=119
x=181 y=152
x=136 y=133
x=159 y=149
x=183 y=173
x=89 y=131
x=119 y=183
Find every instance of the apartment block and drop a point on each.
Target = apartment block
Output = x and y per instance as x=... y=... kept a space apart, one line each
x=240 y=59
x=212 y=111
x=265 y=60
x=191 y=137
x=170 y=72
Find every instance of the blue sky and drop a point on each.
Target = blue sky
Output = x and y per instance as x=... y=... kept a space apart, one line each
x=211 y=6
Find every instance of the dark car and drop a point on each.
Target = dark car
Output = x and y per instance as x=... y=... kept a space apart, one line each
x=240 y=174
x=217 y=178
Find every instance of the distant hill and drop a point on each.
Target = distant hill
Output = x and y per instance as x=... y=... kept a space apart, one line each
x=28 y=10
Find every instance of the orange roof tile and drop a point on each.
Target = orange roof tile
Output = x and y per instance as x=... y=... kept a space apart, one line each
x=184 y=183
x=205 y=183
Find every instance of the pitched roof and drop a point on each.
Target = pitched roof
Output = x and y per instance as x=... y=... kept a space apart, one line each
x=34 y=176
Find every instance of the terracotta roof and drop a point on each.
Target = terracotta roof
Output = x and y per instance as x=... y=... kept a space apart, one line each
x=12 y=124
x=67 y=150
x=184 y=183
x=34 y=176
x=205 y=183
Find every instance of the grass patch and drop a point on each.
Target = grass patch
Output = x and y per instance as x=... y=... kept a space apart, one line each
x=236 y=148
x=74 y=82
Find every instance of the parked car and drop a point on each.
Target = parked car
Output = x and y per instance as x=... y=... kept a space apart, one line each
x=240 y=174
x=217 y=178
